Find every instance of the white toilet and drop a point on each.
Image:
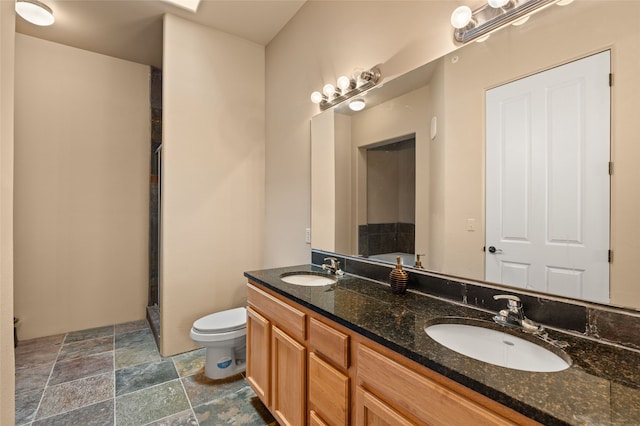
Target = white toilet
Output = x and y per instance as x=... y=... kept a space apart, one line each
x=223 y=334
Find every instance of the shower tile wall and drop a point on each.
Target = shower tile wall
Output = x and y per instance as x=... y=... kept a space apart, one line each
x=155 y=91
x=378 y=238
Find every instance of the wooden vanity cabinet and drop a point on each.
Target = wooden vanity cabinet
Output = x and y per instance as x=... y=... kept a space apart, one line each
x=309 y=370
x=276 y=356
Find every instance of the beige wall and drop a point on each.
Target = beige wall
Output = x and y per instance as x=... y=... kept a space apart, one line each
x=344 y=206
x=382 y=187
x=82 y=123
x=213 y=175
x=7 y=367
x=323 y=182
x=331 y=182
x=437 y=167
x=320 y=43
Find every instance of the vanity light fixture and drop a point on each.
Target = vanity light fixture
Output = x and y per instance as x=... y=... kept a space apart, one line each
x=35 y=12
x=347 y=87
x=328 y=90
x=471 y=25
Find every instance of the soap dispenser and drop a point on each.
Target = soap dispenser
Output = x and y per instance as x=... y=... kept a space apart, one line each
x=398 y=278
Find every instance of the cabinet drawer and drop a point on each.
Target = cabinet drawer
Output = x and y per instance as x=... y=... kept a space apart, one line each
x=288 y=318
x=328 y=392
x=415 y=394
x=332 y=344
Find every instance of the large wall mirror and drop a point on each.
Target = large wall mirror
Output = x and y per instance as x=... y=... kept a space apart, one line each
x=408 y=174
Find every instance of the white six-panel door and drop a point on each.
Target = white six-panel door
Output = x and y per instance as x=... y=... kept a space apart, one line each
x=547 y=181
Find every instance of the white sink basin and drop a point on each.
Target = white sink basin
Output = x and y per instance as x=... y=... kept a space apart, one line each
x=496 y=347
x=309 y=280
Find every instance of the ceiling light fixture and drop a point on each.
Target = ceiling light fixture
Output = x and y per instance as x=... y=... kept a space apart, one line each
x=346 y=88
x=35 y=12
x=495 y=14
x=496 y=4
x=357 y=104
x=190 y=5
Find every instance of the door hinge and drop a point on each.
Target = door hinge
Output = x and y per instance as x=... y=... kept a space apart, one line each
x=610 y=79
x=610 y=168
x=610 y=256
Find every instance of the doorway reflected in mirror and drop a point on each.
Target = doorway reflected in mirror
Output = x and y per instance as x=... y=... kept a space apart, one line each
x=391 y=202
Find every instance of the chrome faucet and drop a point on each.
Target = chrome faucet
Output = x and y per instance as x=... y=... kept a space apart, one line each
x=333 y=266
x=513 y=316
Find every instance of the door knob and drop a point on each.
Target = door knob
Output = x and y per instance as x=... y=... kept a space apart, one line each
x=494 y=250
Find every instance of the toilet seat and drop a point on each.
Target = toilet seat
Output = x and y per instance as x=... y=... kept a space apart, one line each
x=222 y=322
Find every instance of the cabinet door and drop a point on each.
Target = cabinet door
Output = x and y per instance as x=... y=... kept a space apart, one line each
x=315 y=420
x=259 y=354
x=288 y=402
x=328 y=392
x=371 y=411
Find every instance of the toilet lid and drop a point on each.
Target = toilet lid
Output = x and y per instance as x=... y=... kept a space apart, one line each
x=221 y=322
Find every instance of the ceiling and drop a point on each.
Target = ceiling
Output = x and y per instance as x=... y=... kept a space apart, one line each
x=132 y=29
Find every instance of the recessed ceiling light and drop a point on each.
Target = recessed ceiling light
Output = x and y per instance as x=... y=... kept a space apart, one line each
x=191 y=5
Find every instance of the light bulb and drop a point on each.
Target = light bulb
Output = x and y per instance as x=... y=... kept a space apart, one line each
x=461 y=17
x=496 y=4
x=357 y=104
x=344 y=82
x=316 y=97
x=35 y=12
x=328 y=90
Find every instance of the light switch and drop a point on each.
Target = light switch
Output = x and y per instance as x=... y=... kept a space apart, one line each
x=471 y=225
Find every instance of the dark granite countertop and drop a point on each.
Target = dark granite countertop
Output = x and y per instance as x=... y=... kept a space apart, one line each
x=601 y=387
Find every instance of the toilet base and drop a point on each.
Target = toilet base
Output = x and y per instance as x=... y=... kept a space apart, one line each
x=221 y=363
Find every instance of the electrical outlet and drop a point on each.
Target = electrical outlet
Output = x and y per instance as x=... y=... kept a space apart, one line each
x=307 y=235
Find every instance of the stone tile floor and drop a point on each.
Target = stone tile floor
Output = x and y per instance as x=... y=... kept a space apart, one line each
x=115 y=375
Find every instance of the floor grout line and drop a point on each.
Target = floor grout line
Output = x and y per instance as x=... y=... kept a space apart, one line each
x=44 y=390
x=115 y=419
x=185 y=391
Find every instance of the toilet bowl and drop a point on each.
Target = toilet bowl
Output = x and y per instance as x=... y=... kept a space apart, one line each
x=223 y=335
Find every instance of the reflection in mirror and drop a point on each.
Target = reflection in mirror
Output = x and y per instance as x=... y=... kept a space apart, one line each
x=391 y=203
x=450 y=168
